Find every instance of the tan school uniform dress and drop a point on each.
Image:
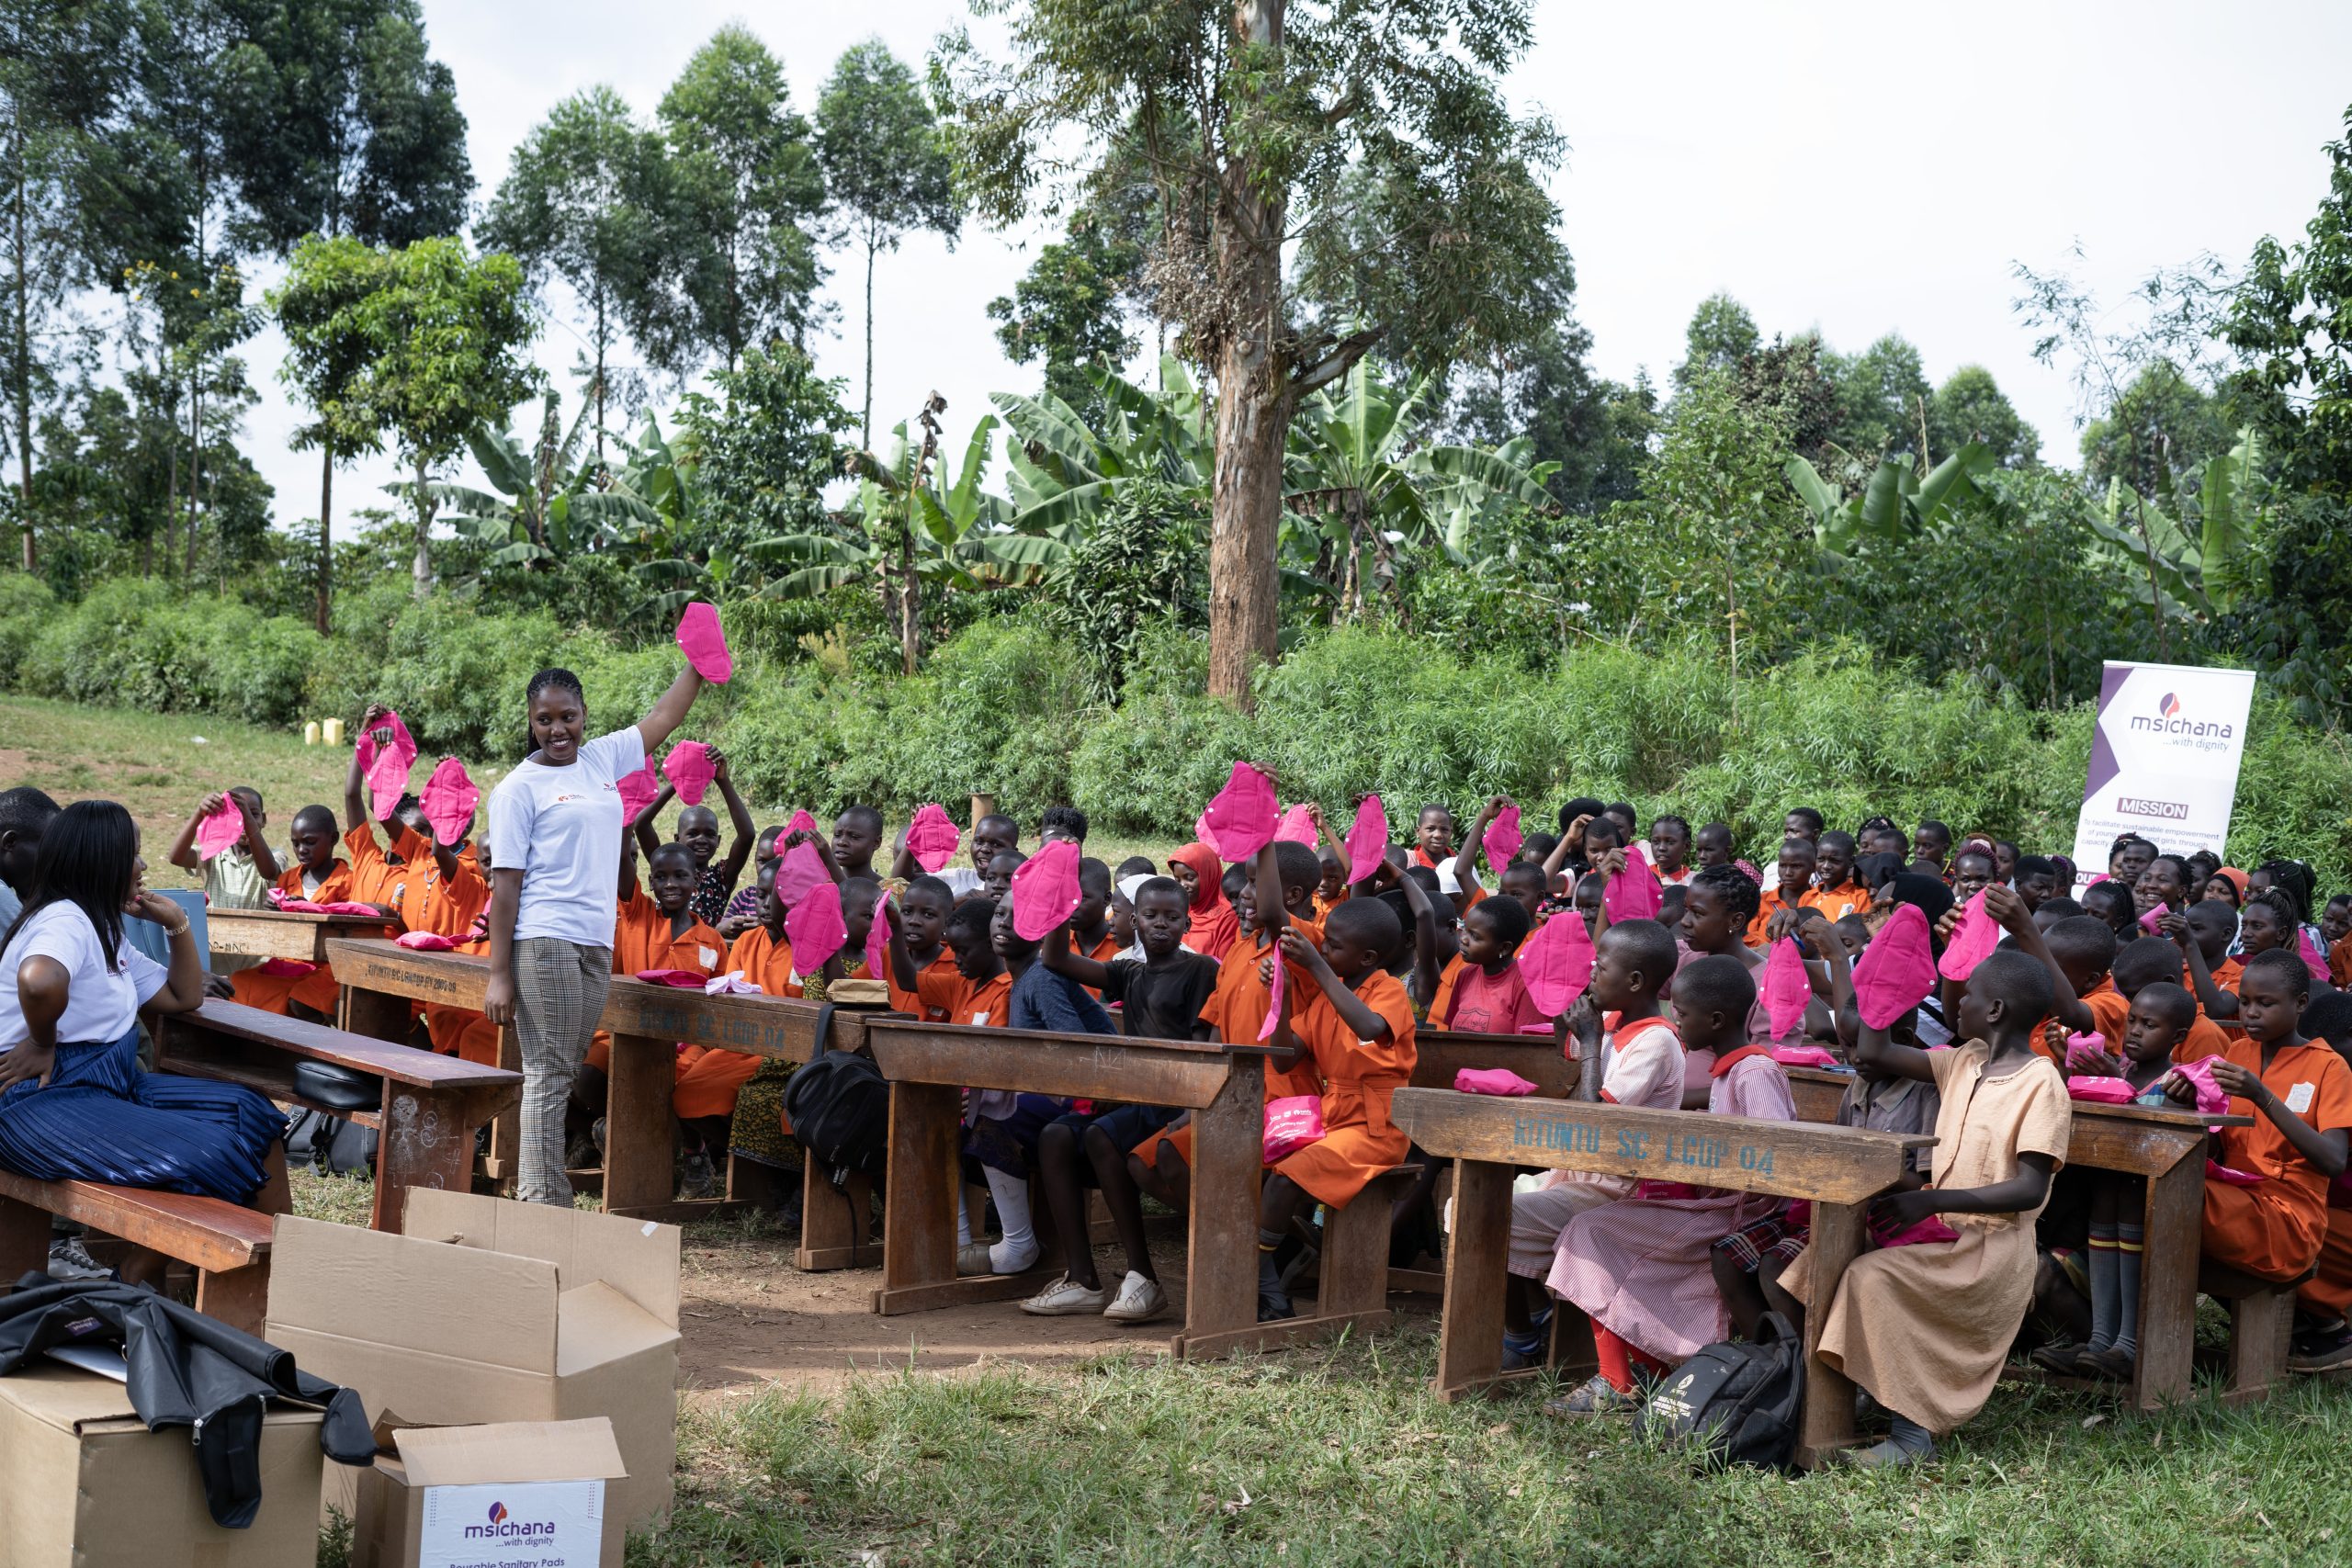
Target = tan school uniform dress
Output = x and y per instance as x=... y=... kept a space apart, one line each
x=1926 y=1328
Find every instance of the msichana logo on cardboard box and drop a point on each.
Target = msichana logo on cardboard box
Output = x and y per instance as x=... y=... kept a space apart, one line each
x=2167 y=720
x=504 y=1527
x=2162 y=810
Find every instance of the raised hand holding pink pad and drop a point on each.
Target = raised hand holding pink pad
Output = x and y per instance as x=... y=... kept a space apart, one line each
x=932 y=839
x=689 y=768
x=704 y=642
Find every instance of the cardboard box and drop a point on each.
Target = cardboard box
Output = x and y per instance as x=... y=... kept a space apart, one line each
x=527 y=1491
x=483 y=1311
x=83 y=1482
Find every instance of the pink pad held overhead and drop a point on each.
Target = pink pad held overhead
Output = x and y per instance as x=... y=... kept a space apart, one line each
x=1274 y=989
x=1297 y=826
x=689 y=769
x=639 y=789
x=1632 y=894
x=815 y=929
x=877 y=943
x=424 y=942
x=2100 y=1090
x=1897 y=969
x=1367 y=839
x=1292 y=1123
x=1490 y=1080
x=932 y=839
x=1242 y=817
x=1787 y=989
x=1503 y=838
x=1557 y=962
x=449 y=799
x=1978 y=934
x=1045 y=890
x=386 y=770
x=1803 y=1057
x=801 y=822
x=705 y=641
x=801 y=870
x=221 y=827
x=684 y=979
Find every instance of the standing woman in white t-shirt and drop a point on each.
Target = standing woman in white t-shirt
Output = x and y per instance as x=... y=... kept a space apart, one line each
x=555 y=898
x=74 y=1104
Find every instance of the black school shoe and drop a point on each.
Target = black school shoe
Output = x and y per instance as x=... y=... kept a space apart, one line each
x=2321 y=1348
x=1274 y=1302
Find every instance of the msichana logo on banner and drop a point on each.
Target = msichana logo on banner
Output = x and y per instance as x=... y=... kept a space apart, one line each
x=2167 y=720
x=2162 y=810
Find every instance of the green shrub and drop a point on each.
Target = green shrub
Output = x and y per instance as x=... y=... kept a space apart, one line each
x=25 y=606
x=2294 y=795
x=1000 y=711
x=256 y=667
x=799 y=737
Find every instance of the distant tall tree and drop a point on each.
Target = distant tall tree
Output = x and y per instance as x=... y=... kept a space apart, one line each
x=2159 y=421
x=1266 y=124
x=1971 y=406
x=588 y=198
x=1882 y=398
x=1596 y=430
x=1720 y=336
x=328 y=346
x=744 y=264
x=2291 y=318
x=1068 y=307
x=886 y=166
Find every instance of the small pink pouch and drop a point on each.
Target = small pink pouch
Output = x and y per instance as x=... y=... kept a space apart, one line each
x=1503 y=838
x=1297 y=827
x=220 y=829
x=1045 y=890
x=1242 y=817
x=684 y=979
x=1367 y=839
x=2148 y=922
x=286 y=968
x=815 y=929
x=1803 y=1057
x=1292 y=1123
x=342 y=907
x=2212 y=1100
x=449 y=799
x=1557 y=962
x=2216 y=1171
x=424 y=942
x=2101 y=1090
x=637 y=792
x=704 y=642
x=296 y=906
x=1490 y=1080
x=932 y=839
x=2086 y=1049
x=688 y=767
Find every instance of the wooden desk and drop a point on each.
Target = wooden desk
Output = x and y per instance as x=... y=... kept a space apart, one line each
x=273 y=933
x=928 y=1065
x=1442 y=1053
x=431 y=1105
x=2167 y=1148
x=381 y=978
x=1490 y=1139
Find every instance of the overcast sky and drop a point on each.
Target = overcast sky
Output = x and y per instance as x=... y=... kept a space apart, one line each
x=1854 y=168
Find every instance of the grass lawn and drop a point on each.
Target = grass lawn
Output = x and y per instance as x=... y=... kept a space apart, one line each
x=156 y=766
x=1338 y=1455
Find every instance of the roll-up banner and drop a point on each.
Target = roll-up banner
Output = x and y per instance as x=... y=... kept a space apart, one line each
x=2164 y=761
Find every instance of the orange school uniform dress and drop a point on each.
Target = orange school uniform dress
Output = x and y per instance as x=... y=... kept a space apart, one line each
x=643 y=940
x=1837 y=903
x=1237 y=1011
x=710 y=1077
x=2109 y=1010
x=1360 y=1077
x=904 y=1000
x=449 y=907
x=2277 y=1228
x=1769 y=904
x=314 y=989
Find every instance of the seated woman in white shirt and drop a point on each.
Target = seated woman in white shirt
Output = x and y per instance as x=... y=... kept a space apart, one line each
x=73 y=1103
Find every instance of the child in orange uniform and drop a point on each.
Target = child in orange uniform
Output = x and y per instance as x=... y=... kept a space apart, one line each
x=1358 y=1027
x=2322 y=1341
x=282 y=986
x=922 y=914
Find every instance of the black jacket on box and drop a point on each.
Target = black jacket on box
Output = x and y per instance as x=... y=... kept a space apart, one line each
x=187 y=1369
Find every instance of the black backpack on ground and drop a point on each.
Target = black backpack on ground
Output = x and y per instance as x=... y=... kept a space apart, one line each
x=1739 y=1403
x=329 y=1144
x=839 y=1104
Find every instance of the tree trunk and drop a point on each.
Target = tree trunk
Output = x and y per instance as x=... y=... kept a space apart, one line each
x=21 y=244
x=326 y=550
x=1253 y=407
x=421 y=568
x=866 y=410
x=599 y=387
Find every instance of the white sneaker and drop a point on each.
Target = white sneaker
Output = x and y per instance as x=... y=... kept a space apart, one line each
x=69 y=1259
x=1140 y=1300
x=1063 y=1298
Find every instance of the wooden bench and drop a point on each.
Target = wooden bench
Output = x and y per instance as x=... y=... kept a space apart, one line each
x=381 y=978
x=275 y=933
x=2167 y=1148
x=929 y=1065
x=424 y=1122
x=1490 y=1139
x=226 y=1243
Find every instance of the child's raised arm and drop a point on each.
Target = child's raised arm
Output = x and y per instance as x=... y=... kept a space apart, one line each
x=665 y=715
x=184 y=853
x=2004 y=906
x=1567 y=845
x=1465 y=859
x=1427 y=960
x=629 y=860
x=1268 y=880
x=1365 y=1023
x=1058 y=958
x=648 y=836
x=2217 y=1002
x=738 y=817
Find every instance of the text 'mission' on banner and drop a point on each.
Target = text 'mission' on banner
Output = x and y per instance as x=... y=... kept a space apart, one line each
x=2164 y=761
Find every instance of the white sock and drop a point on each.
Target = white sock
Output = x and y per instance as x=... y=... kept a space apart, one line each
x=1018 y=1250
x=963 y=1219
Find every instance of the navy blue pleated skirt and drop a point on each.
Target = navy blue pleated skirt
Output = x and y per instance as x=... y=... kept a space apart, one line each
x=100 y=1119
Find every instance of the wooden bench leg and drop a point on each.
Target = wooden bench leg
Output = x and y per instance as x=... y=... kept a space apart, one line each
x=239 y=1297
x=834 y=1226
x=1827 y=1423
x=2260 y=1328
x=1221 y=1240
x=1354 y=1280
x=919 y=1211
x=23 y=1241
x=1470 y=1334
x=427 y=1140
x=639 y=1172
x=2173 y=1232
x=506 y=1131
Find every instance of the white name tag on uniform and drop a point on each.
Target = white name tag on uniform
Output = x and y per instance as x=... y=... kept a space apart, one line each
x=2299 y=1098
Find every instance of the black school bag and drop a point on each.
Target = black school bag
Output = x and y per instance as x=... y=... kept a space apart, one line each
x=839 y=1103
x=1738 y=1403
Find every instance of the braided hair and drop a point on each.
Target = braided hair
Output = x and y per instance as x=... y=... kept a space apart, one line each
x=1739 y=896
